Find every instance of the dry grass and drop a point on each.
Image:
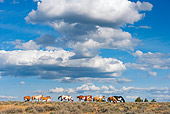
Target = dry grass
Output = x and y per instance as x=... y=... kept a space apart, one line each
x=83 y=108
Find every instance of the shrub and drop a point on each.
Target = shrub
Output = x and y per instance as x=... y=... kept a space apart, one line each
x=153 y=100
x=39 y=109
x=13 y=111
x=138 y=100
x=102 y=110
x=49 y=108
x=31 y=109
x=146 y=100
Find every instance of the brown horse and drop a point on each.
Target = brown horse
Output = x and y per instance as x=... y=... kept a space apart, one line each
x=85 y=98
x=45 y=98
x=112 y=99
x=27 y=98
x=98 y=98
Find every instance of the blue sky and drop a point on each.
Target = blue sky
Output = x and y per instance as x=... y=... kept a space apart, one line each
x=104 y=47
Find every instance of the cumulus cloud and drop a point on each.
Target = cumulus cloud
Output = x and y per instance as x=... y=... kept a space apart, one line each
x=149 y=61
x=97 y=12
x=30 y=45
x=61 y=90
x=87 y=29
x=56 y=64
x=87 y=87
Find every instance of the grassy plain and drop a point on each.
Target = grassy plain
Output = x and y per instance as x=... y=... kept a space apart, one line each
x=15 y=107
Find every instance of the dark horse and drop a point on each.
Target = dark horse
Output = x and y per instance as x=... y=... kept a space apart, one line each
x=119 y=98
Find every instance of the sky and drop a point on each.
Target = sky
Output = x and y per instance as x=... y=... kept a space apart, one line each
x=82 y=47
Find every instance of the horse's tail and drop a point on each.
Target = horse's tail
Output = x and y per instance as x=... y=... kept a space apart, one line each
x=93 y=98
x=32 y=97
x=59 y=97
x=123 y=99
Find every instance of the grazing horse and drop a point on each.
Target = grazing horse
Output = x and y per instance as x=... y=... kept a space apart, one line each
x=85 y=98
x=38 y=97
x=112 y=99
x=119 y=98
x=45 y=98
x=65 y=97
x=27 y=98
x=98 y=98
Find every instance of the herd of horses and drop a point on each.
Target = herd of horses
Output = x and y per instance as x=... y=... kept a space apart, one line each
x=113 y=99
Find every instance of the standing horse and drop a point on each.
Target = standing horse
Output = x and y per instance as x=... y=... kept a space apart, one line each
x=38 y=97
x=112 y=99
x=45 y=98
x=27 y=98
x=119 y=98
x=85 y=98
x=98 y=98
x=65 y=97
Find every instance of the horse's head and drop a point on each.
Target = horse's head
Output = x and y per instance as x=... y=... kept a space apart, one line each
x=42 y=96
x=103 y=97
x=24 y=98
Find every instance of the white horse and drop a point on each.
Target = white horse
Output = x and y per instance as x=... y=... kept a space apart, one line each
x=65 y=97
x=37 y=97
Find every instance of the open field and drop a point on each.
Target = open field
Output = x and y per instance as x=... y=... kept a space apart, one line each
x=16 y=107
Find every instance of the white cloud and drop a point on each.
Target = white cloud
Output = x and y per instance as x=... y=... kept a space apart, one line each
x=104 y=87
x=0 y=77
x=87 y=87
x=162 y=97
x=58 y=58
x=32 y=57
x=90 y=79
x=7 y=97
x=145 y=27
x=110 y=11
x=95 y=27
x=61 y=90
x=145 y=6
x=149 y=61
x=30 y=45
x=152 y=73
x=105 y=64
x=138 y=27
x=22 y=82
x=131 y=97
x=56 y=90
